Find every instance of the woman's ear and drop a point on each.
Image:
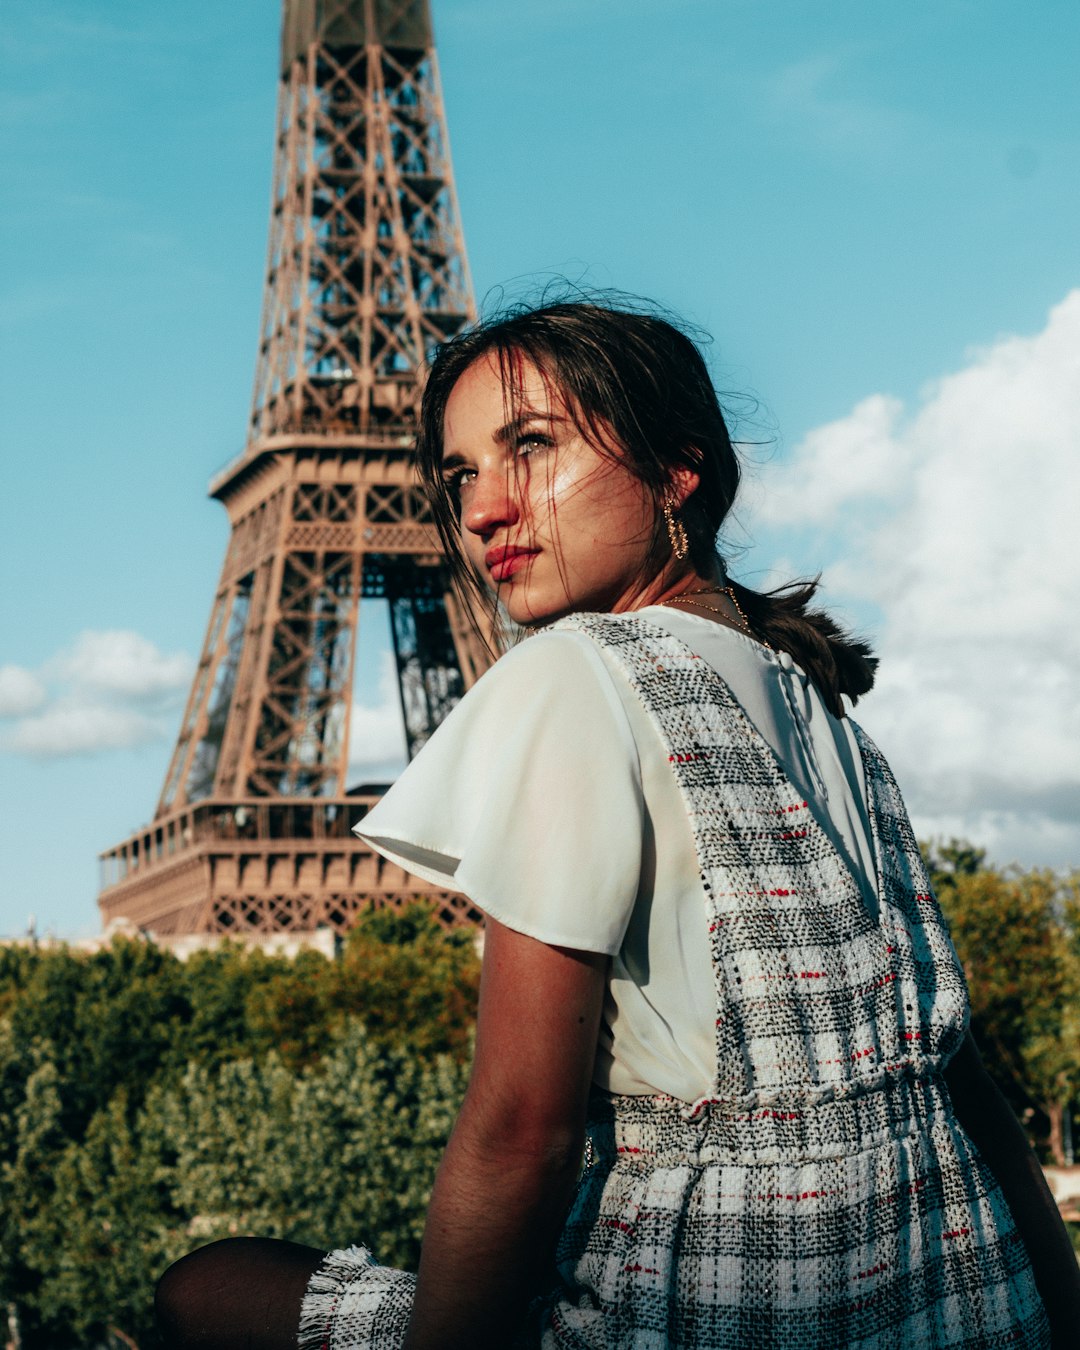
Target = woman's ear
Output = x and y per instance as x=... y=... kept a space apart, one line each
x=682 y=483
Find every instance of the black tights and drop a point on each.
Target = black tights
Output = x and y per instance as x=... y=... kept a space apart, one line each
x=238 y=1294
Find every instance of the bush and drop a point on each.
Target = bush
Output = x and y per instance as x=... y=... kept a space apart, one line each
x=148 y=1106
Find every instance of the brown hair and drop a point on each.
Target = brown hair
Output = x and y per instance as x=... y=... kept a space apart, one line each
x=637 y=379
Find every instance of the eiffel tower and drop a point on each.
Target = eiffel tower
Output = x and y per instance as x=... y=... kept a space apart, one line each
x=366 y=273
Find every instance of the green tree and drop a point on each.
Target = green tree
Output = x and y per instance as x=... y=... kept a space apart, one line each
x=33 y=1141
x=1016 y=933
x=220 y=986
x=108 y=1020
x=149 y=1105
x=293 y=1014
x=17 y=964
x=98 y=1241
x=410 y=982
x=950 y=861
x=343 y=1151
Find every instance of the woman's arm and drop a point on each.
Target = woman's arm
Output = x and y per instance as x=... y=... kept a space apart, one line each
x=988 y=1119
x=512 y=1162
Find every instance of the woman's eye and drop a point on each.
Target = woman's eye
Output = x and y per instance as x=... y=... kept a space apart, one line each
x=455 y=480
x=532 y=441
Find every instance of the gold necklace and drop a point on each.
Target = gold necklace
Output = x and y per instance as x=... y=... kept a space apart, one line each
x=729 y=591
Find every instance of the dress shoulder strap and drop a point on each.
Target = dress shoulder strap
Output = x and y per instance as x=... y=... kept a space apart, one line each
x=810 y=989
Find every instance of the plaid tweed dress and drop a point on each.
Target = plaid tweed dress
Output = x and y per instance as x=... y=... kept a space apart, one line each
x=822 y=1193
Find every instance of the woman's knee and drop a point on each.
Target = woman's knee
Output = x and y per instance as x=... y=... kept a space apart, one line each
x=238 y=1291
x=184 y=1298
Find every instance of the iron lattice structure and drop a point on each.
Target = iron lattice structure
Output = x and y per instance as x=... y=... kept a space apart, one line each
x=366 y=274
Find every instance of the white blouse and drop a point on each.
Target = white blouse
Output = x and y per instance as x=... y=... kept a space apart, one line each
x=547 y=799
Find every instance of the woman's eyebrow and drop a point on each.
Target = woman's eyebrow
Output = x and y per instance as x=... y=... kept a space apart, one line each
x=510 y=429
x=451 y=461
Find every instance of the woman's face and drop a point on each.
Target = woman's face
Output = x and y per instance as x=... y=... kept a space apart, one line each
x=551 y=523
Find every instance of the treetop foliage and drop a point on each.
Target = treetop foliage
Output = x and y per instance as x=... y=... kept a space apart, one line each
x=1018 y=936
x=149 y=1105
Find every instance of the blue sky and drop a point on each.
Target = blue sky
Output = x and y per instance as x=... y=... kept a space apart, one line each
x=874 y=209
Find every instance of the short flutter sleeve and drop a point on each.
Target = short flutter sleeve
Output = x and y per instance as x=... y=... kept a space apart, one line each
x=528 y=798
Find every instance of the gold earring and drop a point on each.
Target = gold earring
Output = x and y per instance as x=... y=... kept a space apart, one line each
x=680 y=544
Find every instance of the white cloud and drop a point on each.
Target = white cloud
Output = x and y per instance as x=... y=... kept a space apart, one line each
x=72 y=729
x=125 y=663
x=21 y=692
x=377 y=750
x=856 y=458
x=959 y=521
x=109 y=691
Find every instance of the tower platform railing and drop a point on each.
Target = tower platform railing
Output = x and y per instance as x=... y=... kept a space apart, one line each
x=253 y=820
x=263 y=865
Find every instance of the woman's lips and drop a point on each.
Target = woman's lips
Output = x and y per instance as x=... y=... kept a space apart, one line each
x=503 y=562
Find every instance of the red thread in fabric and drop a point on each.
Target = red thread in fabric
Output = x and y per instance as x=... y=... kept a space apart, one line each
x=878 y=983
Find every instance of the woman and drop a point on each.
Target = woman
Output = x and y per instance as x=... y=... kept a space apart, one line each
x=712 y=958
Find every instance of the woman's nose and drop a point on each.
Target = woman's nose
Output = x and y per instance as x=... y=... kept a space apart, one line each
x=490 y=502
